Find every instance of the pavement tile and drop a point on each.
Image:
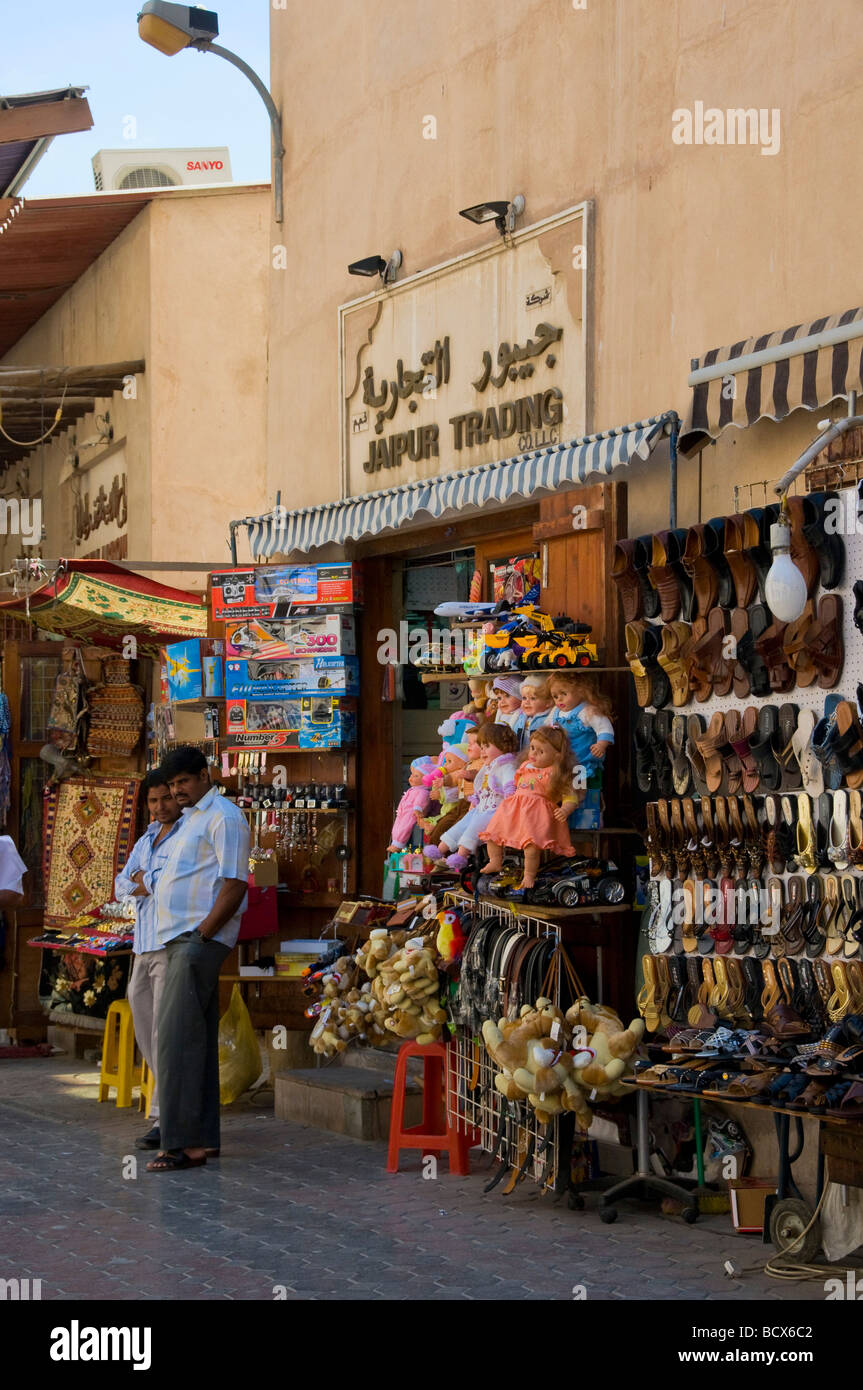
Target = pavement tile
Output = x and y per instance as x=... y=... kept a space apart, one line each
x=346 y=1231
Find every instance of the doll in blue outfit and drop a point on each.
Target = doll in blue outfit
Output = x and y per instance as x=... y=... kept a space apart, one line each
x=536 y=708
x=585 y=714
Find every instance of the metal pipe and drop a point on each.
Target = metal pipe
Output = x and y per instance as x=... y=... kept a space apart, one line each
x=673 y=427
x=780 y=353
x=812 y=451
x=205 y=46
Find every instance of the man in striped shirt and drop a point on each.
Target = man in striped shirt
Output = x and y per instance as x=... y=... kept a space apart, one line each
x=199 y=899
x=137 y=879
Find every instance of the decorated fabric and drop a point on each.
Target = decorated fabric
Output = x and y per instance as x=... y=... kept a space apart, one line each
x=68 y=712
x=116 y=712
x=88 y=831
x=104 y=604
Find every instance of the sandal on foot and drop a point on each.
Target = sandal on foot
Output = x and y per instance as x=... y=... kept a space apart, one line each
x=172 y=1161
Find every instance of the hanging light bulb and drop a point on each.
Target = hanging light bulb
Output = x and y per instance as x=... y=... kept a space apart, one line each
x=785 y=588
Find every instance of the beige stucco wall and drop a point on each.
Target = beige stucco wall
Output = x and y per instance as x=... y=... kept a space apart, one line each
x=184 y=288
x=696 y=246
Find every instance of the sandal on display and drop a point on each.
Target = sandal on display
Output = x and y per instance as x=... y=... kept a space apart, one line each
x=802 y=553
x=709 y=743
x=811 y=771
x=770 y=646
x=837 y=847
x=761 y=743
x=739 y=629
x=739 y=731
x=822 y=512
x=822 y=642
x=806 y=855
x=783 y=747
x=855 y=829
x=848 y=744
x=642 y=742
x=799 y=658
x=845 y=1100
x=681 y=768
x=792 y=925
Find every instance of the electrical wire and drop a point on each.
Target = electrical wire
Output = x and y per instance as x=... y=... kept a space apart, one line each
x=31 y=443
x=799 y=1273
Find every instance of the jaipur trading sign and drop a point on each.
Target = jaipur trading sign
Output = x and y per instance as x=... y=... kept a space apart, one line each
x=473 y=361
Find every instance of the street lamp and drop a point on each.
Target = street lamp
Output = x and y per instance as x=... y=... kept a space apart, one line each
x=170 y=28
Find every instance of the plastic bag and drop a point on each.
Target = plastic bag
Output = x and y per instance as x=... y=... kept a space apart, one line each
x=239 y=1054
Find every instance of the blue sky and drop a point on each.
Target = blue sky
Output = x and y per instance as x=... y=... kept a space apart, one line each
x=190 y=99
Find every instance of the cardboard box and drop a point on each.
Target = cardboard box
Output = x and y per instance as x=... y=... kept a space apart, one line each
x=263 y=716
x=260 y=680
x=317 y=634
x=324 y=724
x=257 y=972
x=264 y=739
x=194 y=670
x=748 y=1199
x=277 y=591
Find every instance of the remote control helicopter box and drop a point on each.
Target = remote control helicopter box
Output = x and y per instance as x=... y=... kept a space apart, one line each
x=261 y=680
x=317 y=634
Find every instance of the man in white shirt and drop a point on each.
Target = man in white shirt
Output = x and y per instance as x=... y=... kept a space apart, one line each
x=200 y=895
x=137 y=879
x=12 y=871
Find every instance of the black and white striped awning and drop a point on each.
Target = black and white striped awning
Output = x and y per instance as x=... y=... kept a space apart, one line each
x=797 y=368
x=280 y=532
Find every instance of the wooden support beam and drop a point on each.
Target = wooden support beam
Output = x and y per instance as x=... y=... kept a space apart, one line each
x=104 y=372
x=44 y=118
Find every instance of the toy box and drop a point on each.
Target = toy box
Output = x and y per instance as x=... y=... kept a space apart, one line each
x=324 y=724
x=317 y=634
x=276 y=591
x=262 y=716
x=194 y=670
x=260 y=680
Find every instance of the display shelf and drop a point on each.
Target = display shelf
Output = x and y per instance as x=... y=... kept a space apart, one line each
x=77 y=949
x=542 y=914
x=433 y=676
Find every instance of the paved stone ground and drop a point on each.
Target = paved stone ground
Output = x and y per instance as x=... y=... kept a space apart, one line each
x=315 y=1213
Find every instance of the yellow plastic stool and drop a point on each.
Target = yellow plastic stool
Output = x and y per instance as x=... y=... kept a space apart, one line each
x=148 y=1085
x=118 y=1055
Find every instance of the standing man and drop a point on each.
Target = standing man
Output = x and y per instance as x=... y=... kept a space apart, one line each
x=137 y=880
x=200 y=896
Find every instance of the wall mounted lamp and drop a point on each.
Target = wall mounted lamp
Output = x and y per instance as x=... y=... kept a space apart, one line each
x=376 y=265
x=503 y=215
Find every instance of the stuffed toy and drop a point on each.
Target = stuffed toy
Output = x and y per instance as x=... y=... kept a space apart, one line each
x=450 y=938
x=559 y=1063
x=404 y=986
x=345 y=1011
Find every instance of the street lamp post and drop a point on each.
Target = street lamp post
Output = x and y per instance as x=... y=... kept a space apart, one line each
x=170 y=28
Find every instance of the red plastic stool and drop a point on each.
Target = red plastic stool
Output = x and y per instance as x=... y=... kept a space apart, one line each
x=436 y=1134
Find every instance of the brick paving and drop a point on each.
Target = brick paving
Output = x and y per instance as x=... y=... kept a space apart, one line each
x=315 y=1215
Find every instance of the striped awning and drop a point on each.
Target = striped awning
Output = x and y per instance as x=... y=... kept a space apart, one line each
x=563 y=465
x=797 y=368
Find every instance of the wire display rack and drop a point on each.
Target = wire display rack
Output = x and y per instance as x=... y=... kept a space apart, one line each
x=473 y=1103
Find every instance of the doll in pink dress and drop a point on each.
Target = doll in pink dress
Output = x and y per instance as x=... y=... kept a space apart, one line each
x=534 y=817
x=412 y=804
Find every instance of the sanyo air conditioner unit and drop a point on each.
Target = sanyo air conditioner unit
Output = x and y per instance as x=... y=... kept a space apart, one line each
x=120 y=170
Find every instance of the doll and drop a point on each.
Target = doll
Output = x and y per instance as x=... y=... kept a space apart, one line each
x=495 y=781
x=444 y=788
x=536 y=707
x=412 y=804
x=584 y=713
x=465 y=782
x=507 y=691
x=535 y=816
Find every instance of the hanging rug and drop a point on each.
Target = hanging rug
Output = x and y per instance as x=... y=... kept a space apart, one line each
x=88 y=829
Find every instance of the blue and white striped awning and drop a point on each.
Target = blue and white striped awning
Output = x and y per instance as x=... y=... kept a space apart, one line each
x=562 y=465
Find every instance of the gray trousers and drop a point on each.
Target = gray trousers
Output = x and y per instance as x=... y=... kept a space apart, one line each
x=144 y=996
x=188 y=1046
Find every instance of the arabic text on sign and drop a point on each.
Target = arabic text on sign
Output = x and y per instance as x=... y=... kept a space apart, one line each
x=432 y=373
x=513 y=361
